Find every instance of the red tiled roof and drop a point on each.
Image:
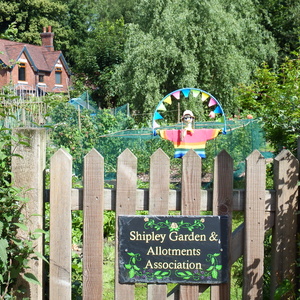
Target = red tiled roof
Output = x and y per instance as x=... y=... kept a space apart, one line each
x=39 y=56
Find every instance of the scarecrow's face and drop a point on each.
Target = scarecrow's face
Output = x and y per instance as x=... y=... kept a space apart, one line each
x=187 y=119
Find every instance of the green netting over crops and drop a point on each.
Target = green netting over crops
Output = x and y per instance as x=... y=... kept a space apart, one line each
x=241 y=139
x=147 y=133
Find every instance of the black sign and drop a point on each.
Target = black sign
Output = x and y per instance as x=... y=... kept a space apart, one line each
x=178 y=249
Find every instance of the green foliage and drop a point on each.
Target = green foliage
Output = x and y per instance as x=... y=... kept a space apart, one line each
x=95 y=59
x=15 y=252
x=274 y=97
x=143 y=149
x=163 y=53
x=109 y=224
x=282 y=18
x=119 y=9
x=30 y=17
x=77 y=244
x=73 y=28
x=10 y=33
x=80 y=131
x=238 y=143
x=152 y=47
x=73 y=131
x=286 y=289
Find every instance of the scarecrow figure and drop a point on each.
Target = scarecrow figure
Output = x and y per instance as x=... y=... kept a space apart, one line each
x=188 y=120
x=189 y=138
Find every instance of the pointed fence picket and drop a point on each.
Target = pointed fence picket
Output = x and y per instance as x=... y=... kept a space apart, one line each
x=158 y=203
x=93 y=208
x=254 y=226
x=190 y=205
x=125 y=205
x=263 y=210
x=222 y=205
x=284 y=247
x=60 y=225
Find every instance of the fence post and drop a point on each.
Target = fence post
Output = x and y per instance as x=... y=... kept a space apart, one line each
x=286 y=172
x=93 y=203
x=190 y=204
x=125 y=205
x=28 y=172
x=60 y=225
x=254 y=226
x=222 y=205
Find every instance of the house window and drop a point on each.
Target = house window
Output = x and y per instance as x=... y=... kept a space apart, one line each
x=58 y=75
x=41 y=78
x=22 y=72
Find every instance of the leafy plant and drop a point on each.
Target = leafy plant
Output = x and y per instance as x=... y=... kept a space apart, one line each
x=109 y=224
x=285 y=289
x=274 y=97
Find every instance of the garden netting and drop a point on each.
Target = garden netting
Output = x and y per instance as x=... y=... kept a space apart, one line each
x=243 y=136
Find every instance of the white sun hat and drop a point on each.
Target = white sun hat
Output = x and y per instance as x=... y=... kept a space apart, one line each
x=188 y=112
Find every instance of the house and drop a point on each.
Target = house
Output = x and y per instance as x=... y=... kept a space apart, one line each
x=32 y=69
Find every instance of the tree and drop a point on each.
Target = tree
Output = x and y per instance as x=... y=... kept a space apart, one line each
x=74 y=27
x=282 y=18
x=96 y=58
x=106 y=10
x=30 y=17
x=275 y=98
x=212 y=45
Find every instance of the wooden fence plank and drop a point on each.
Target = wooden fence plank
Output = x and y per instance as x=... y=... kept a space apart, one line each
x=254 y=226
x=158 y=204
x=125 y=205
x=60 y=225
x=286 y=172
x=93 y=226
x=222 y=205
x=190 y=205
x=159 y=183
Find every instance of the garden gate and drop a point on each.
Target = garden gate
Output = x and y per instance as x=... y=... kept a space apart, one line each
x=263 y=209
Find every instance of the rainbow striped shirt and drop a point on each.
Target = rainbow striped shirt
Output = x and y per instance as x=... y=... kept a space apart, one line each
x=195 y=140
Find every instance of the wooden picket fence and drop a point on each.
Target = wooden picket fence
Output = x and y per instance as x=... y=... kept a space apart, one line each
x=263 y=209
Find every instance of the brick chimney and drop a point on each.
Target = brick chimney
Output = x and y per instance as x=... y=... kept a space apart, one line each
x=47 y=38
